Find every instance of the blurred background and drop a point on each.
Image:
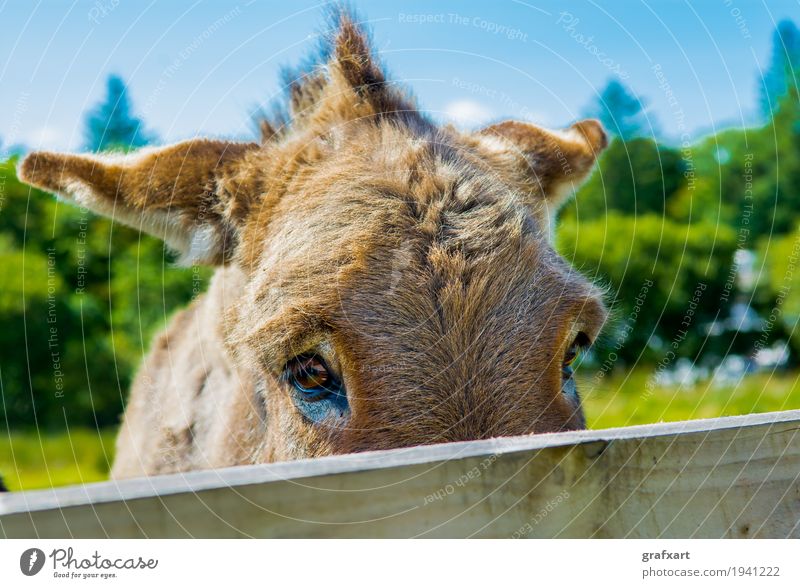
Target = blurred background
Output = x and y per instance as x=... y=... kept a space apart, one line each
x=691 y=221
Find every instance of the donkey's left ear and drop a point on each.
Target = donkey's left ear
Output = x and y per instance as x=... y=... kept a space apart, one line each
x=193 y=195
x=550 y=163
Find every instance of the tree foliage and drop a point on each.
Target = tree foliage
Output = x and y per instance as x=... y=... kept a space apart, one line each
x=622 y=113
x=676 y=216
x=784 y=67
x=80 y=301
x=673 y=272
x=111 y=124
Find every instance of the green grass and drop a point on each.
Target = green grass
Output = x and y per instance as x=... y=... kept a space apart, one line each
x=631 y=399
x=29 y=460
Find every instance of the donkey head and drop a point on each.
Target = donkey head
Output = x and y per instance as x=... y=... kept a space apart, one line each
x=398 y=282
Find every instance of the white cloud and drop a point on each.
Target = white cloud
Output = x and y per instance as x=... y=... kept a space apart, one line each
x=467 y=113
x=44 y=138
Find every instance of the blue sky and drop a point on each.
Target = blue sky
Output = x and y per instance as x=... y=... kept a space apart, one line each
x=198 y=67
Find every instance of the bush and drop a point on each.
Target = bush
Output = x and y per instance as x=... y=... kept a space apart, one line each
x=673 y=273
x=81 y=298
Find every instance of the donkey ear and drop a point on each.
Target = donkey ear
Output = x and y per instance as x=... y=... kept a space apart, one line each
x=188 y=194
x=354 y=61
x=355 y=69
x=552 y=163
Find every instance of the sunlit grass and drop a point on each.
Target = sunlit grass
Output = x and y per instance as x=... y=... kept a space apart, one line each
x=30 y=460
x=628 y=399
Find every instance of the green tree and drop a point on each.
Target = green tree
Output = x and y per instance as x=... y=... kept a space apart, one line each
x=634 y=177
x=81 y=298
x=784 y=66
x=717 y=186
x=622 y=112
x=671 y=260
x=778 y=287
x=777 y=168
x=111 y=125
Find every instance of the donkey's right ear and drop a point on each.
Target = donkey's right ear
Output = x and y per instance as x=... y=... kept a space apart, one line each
x=552 y=163
x=193 y=195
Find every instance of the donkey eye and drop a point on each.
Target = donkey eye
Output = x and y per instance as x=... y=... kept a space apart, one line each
x=309 y=375
x=571 y=355
x=574 y=351
x=318 y=393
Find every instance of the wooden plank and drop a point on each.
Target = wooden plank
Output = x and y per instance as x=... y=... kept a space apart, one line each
x=729 y=477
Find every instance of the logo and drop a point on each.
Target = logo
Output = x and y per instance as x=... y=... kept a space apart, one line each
x=31 y=561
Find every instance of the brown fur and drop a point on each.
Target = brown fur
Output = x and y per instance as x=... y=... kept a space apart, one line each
x=415 y=259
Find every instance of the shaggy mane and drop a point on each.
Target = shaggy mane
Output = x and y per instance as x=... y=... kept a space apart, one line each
x=342 y=60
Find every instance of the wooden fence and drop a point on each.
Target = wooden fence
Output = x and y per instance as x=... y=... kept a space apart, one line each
x=727 y=477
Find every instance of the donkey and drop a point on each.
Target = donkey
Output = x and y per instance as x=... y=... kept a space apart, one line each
x=382 y=281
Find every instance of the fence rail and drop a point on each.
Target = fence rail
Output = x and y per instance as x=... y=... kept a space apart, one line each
x=727 y=477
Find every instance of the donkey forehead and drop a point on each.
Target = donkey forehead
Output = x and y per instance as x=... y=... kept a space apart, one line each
x=383 y=182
